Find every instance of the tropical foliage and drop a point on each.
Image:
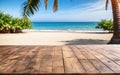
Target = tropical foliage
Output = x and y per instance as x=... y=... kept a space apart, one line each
x=8 y=24
x=106 y=25
x=31 y=6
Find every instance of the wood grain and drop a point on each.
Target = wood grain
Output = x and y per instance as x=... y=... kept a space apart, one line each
x=77 y=59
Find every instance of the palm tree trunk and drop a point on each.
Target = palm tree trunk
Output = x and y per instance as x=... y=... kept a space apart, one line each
x=116 y=19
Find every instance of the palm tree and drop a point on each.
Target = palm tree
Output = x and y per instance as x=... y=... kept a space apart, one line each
x=116 y=20
x=30 y=6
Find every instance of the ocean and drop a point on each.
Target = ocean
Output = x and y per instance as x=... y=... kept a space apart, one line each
x=66 y=26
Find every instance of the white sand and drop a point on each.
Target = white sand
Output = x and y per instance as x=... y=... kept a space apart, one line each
x=54 y=38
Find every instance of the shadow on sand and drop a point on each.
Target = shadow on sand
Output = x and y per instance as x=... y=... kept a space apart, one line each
x=85 y=42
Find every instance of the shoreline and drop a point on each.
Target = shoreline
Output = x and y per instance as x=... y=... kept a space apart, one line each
x=35 y=30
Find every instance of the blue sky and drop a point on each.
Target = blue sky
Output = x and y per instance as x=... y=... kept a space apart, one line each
x=69 y=10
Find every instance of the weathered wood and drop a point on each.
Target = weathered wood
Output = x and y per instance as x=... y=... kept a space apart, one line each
x=96 y=62
x=58 y=66
x=85 y=62
x=9 y=60
x=83 y=59
x=24 y=59
x=112 y=65
x=35 y=62
x=46 y=60
x=72 y=65
x=111 y=55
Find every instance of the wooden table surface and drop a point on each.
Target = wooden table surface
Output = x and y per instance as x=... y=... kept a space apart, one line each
x=78 y=59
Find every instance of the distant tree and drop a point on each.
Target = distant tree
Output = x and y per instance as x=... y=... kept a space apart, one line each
x=9 y=24
x=106 y=25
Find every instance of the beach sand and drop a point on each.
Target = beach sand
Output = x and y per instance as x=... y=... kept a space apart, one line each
x=54 y=38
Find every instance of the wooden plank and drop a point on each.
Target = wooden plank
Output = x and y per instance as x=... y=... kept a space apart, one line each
x=58 y=66
x=4 y=49
x=6 y=52
x=109 y=63
x=114 y=50
x=12 y=54
x=96 y=62
x=35 y=62
x=89 y=67
x=25 y=57
x=67 y=52
x=109 y=55
x=9 y=61
x=46 y=60
x=67 y=55
x=32 y=54
x=71 y=63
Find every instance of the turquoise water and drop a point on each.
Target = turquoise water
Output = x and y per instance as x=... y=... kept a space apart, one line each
x=65 y=26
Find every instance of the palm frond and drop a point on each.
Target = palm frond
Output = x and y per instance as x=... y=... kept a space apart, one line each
x=55 y=7
x=30 y=6
x=46 y=4
x=107 y=1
